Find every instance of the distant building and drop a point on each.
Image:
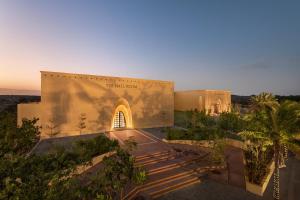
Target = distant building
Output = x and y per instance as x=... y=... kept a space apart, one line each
x=213 y=102
x=73 y=104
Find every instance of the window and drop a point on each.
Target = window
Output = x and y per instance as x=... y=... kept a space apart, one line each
x=119 y=120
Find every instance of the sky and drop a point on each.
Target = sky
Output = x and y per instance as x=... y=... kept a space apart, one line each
x=244 y=46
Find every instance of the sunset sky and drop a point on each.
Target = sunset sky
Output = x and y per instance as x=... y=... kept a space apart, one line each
x=243 y=46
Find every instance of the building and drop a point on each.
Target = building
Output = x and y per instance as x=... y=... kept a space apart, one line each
x=74 y=104
x=213 y=102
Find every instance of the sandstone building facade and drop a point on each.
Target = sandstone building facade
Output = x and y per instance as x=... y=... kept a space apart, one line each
x=213 y=102
x=74 y=104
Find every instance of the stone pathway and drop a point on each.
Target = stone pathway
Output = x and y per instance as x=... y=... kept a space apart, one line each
x=235 y=164
x=168 y=169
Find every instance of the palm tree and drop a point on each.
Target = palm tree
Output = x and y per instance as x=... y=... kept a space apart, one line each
x=279 y=122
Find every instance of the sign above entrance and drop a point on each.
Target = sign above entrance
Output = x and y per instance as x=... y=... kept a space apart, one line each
x=116 y=85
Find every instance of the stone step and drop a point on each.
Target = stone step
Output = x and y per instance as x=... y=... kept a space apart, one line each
x=165 y=180
x=168 y=181
x=155 y=160
x=174 y=187
x=172 y=165
x=151 y=155
x=154 y=155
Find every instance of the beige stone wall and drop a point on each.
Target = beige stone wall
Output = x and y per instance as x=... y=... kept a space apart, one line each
x=217 y=101
x=29 y=111
x=64 y=97
x=188 y=100
x=211 y=101
x=145 y=103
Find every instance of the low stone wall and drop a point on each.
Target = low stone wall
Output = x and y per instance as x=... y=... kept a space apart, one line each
x=82 y=168
x=202 y=143
x=207 y=143
x=96 y=160
x=235 y=143
x=260 y=189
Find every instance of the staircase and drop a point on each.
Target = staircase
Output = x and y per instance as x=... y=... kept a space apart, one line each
x=167 y=172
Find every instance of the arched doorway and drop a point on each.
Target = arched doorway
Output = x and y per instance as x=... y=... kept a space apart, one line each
x=119 y=120
x=121 y=117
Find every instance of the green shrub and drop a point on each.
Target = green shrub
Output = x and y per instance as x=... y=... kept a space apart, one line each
x=230 y=122
x=87 y=149
x=182 y=119
x=192 y=119
x=179 y=134
x=17 y=140
x=217 y=155
x=257 y=168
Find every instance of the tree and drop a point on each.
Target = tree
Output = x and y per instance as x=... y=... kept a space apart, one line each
x=81 y=124
x=257 y=154
x=278 y=122
x=52 y=126
x=194 y=118
x=17 y=139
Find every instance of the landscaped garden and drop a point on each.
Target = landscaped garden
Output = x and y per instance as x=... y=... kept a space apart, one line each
x=268 y=130
x=53 y=175
x=195 y=125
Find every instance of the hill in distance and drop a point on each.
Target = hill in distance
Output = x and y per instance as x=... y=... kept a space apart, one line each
x=5 y=91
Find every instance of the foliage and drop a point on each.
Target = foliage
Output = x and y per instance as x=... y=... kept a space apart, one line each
x=118 y=170
x=87 y=149
x=53 y=127
x=48 y=176
x=140 y=176
x=17 y=140
x=200 y=126
x=199 y=133
x=217 y=154
x=279 y=122
x=192 y=119
x=230 y=121
x=31 y=176
x=258 y=155
x=81 y=124
x=257 y=162
x=130 y=144
x=179 y=134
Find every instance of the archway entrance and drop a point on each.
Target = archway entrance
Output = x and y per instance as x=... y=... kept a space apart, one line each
x=121 y=117
x=119 y=120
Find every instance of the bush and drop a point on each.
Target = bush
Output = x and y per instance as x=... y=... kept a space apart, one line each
x=208 y=133
x=118 y=171
x=44 y=176
x=87 y=149
x=179 y=134
x=17 y=140
x=203 y=133
x=230 y=122
x=192 y=119
x=257 y=168
x=217 y=155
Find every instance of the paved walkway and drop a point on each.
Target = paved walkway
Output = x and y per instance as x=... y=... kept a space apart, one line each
x=173 y=176
x=168 y=169
x=235 y=164
x=211 y=190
